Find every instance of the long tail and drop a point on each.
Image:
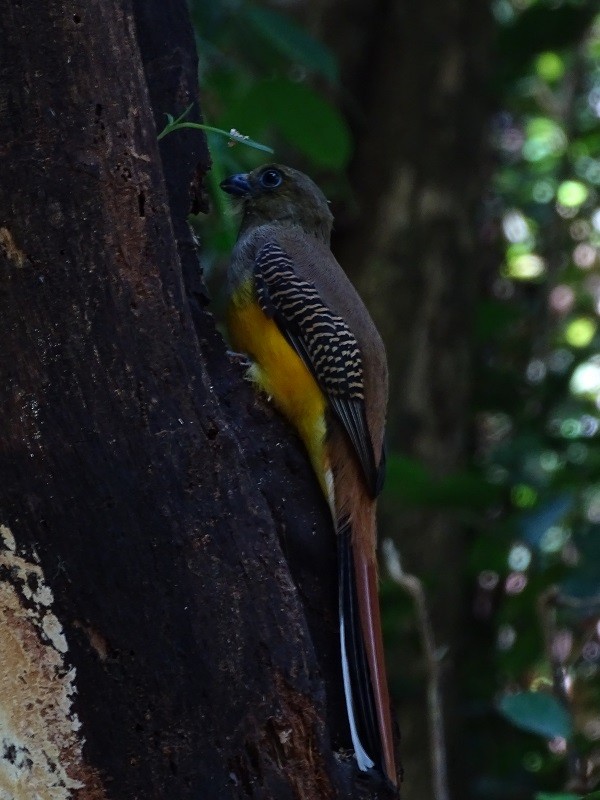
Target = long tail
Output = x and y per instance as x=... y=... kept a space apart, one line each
x=365 y=685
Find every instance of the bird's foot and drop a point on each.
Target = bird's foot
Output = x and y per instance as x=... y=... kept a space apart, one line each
x=241 y=359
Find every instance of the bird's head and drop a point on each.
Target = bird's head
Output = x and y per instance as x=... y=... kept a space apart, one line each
x=275 y=193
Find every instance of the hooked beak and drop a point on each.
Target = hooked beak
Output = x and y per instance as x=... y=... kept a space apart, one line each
x=237 y=185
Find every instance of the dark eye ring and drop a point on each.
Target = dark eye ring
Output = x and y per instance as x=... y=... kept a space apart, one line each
x=271 y=179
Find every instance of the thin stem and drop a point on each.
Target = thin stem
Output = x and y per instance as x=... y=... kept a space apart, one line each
x=546 y=606
x=413 y=586
x=234 y=136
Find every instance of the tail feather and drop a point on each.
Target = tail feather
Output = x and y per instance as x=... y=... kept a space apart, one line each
x=370 y=625
x=360 y=700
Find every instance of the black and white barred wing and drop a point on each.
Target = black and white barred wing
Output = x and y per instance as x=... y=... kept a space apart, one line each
x=323 y=341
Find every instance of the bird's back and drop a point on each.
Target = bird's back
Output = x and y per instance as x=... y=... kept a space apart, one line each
x=314 y=262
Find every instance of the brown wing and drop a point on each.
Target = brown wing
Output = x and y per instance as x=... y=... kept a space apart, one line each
x=324 y=342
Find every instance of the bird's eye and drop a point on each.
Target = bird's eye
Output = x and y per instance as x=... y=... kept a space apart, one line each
x=271 y=179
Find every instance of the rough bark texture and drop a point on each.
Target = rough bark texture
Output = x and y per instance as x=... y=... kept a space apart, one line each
x=414 y=82
x=147 y=498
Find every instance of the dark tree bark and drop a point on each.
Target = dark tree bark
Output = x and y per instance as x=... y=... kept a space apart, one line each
x=414 y=85
x=154 y=643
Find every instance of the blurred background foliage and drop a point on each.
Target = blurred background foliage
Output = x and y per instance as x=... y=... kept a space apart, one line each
x=527 y=496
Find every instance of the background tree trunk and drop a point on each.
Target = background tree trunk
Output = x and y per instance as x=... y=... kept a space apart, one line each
x=154 y=643
x=414 y=79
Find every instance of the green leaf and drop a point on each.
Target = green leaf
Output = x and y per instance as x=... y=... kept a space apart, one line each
x=292 y=41
x=234 y=136
x=560 y=796
x=302 y=117
x=537 y=712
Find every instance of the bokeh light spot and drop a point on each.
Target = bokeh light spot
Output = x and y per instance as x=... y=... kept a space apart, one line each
x=571 y=194
x=523 y=496
x=561 y=299
x=542 y=191
x=515 y=227
x=570 y=554
x=536 y=371
x=544 y=137
x=532 y=762
x=591 y=651
x=506 y=637
x=488 y=579
x=553 y=539
x=585 y=379
x=549 y=460
x=525 y=266
x=560 y=360
x=515 y=583
x=591 y=729
x=577 y=453
x=570 y=428
x=584 y=256
x=580 y=230
x=580 y=332
x=562 y=644
x=519 y=557
x=589 y=425
x=558 y=745
x=550 y=67
x=592 y=506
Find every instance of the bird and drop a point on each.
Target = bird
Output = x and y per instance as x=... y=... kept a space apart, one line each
x=315 y=351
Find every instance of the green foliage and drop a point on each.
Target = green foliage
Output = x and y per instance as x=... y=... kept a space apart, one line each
x=537 y=561
x=264 y=75
x=232 y=135
x=300 y=115
x=537 y=712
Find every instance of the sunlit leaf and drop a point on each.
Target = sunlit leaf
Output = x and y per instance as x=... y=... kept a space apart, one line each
x=537 y=712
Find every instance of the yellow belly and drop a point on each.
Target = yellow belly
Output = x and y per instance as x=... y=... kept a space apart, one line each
x=282 y=375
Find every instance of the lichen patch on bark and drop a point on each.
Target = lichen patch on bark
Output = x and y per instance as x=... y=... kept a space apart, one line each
x=14 y=253
x=40 y=735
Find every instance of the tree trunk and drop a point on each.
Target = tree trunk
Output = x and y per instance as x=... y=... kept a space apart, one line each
x=154 y=644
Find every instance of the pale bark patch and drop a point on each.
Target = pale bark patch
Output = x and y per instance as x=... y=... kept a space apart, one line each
x=40 y=734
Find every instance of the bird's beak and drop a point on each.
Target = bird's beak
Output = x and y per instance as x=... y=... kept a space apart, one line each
x=237 y=185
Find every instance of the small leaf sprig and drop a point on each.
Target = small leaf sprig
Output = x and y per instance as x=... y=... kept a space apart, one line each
x=234 y=136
